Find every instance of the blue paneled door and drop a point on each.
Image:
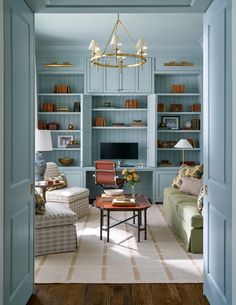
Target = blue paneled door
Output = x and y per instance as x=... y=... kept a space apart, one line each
x=19 y=152
x=217 y=153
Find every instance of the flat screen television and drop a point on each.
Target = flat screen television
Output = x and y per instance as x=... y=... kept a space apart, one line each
x=119 y=151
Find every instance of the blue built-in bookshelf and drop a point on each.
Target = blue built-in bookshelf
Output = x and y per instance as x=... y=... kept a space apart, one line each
x=102 y=101
x=119 y=123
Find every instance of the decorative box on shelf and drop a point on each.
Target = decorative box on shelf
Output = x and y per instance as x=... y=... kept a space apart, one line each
x=53 y=126
x=176 y=107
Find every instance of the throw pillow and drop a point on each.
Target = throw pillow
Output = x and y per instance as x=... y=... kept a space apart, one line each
x=200 y=198
x=57 y=182
x=191 y=186
x=187 y=171
x=39 y=202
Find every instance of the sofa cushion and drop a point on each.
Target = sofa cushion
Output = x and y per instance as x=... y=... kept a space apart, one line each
x=67 y=194
x=56 y=214
x=187 y=171
x=178 y=197
x=189 y=212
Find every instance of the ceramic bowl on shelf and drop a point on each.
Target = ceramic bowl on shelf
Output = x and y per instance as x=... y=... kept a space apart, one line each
x=66 y=161
x=113 y=192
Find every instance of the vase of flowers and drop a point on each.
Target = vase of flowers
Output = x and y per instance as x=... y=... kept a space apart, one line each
x=131 y=177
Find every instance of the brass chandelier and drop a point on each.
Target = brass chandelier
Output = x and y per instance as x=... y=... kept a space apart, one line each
x=115 y=57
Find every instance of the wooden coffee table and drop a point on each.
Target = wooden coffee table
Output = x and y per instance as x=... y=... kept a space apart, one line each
x=141 y=205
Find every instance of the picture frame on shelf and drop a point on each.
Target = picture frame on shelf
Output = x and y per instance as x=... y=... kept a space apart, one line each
x=171 y=122
x=64 y=140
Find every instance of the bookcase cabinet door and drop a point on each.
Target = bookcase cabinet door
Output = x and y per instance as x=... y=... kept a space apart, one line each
x=94 y=78
x=74 y=176
x=144 y=77
x=162 y=178
x=119 y=80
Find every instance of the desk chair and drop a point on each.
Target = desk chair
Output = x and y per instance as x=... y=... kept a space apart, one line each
x=106 y=175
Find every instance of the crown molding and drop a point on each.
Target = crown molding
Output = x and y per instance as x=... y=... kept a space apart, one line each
x=113 y=6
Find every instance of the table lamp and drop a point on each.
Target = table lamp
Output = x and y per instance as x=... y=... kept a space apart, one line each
x=183 y=144
x=43 y=142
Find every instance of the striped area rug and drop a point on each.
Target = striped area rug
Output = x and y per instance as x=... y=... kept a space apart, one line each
x=159 y=259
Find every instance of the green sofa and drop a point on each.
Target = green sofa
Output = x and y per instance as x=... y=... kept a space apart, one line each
x=181 y=212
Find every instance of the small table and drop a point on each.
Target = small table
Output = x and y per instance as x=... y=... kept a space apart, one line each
x=141 y=204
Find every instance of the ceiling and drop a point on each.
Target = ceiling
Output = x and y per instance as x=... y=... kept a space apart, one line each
x=160 y=30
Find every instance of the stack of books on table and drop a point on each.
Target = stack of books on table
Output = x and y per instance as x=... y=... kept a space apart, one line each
x=118 y=200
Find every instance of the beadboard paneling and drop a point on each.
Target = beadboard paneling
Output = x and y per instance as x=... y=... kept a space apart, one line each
x=163 y=83
x=46 y=82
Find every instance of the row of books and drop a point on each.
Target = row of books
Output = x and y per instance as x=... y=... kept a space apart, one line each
x=195 y=124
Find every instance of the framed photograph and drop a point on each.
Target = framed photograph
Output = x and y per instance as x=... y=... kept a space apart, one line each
x=171 y=122
x=63 y=141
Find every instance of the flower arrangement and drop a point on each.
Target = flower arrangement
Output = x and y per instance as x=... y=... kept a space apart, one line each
x=130 y=176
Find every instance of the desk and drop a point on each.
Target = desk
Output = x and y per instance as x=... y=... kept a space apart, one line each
x=152 y=180
x=143 y=187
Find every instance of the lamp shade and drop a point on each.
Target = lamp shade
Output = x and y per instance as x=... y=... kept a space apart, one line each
x=183 y=144
x=43 y=140
x=93 y=45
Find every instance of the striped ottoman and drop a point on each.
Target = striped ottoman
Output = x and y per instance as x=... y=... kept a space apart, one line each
x=77 y=198
x=55 y=231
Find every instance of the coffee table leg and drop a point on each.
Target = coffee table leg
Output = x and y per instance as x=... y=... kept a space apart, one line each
x=108 y=226
x=134 y=217
x=145 y=224
x=139 y=224
x=101 y=223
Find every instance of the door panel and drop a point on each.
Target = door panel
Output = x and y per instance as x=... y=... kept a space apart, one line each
x=217 y=154
x=19 y=152
x=94 y=75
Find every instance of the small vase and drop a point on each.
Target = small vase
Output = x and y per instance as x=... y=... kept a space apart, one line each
x=133 y=191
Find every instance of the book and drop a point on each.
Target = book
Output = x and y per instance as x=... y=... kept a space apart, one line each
x=123 y=202
x=109 y=198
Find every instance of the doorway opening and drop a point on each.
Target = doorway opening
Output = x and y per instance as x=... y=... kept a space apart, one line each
x=62 y=38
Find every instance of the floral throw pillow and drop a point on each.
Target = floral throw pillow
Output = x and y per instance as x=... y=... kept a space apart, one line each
x=200 y=198
x=57 y=182
x=39 y=202
x=187 y=171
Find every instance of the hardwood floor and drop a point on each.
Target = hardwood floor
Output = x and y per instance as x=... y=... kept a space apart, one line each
x=118 y=294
